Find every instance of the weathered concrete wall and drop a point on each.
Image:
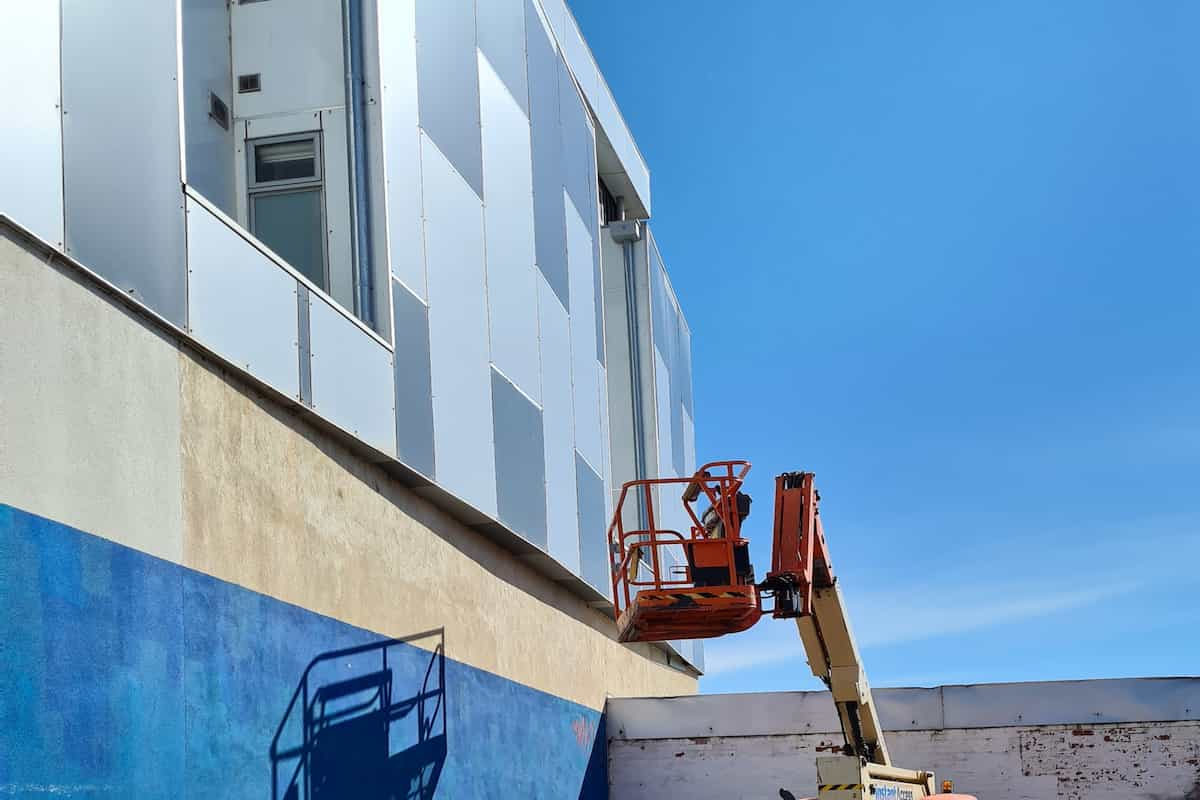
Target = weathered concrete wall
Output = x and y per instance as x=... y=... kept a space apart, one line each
x=89 y=418
x=750 y=746
x=111 y=425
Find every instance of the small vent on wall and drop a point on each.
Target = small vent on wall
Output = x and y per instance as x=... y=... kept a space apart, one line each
x=249 y=83
x=218 y=111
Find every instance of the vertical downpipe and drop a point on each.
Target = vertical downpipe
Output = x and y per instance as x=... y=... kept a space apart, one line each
x=635 y=366
x=352 y=46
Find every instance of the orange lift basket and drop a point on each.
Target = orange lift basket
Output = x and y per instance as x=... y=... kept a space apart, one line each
x=683 y=584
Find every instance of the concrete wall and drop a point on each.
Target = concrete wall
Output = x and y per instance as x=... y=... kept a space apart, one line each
x=130 y=435
x=1128 y=739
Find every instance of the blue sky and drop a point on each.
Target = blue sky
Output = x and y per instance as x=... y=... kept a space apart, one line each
x=952 y=251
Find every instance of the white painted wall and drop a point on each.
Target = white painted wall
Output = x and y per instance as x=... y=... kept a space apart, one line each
x=1101 y=740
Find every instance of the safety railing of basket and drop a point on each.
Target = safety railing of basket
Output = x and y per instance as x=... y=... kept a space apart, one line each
x=718 y=482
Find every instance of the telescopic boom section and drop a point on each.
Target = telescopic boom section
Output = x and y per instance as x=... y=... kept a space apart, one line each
x=804 y=588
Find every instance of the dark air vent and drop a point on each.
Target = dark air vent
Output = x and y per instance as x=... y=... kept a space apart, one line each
x=218 y=111
x=249 y=83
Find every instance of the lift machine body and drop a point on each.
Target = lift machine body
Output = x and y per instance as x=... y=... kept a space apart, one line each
x=709 y=589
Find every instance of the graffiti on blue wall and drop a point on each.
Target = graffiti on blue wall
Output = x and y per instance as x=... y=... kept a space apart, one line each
x=122 y=675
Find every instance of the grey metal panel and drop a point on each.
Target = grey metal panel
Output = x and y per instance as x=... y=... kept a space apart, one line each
x=678 y=444
x=124 y=205
x=689 y=444
x=1071 y=702
x=501 y=30
x=662 y=427
x=458 y=332
x=241 y=303
x=593 y=533
x=297 y=49
x=520 y=466
x=557 y=415
x=448 y=74
x=598 y=294
x=750 y=714
x=508 y=222
x=209 y=166
x=546 y=140
x=586 y=370
x=304 y=325
x=578 y=148
x=402 y=145
x=660 y=304
x=31 y=136
x=352 y=380
x=684 y=364
x=414 y=388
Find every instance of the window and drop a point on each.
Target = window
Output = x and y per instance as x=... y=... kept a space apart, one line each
x=287 y=204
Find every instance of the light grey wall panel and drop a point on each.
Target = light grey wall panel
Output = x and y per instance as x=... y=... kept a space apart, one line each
x=121 y=148
x=684 y=364
x=458 y=332
x=402 y=145
x=352 y=379
x=338 y=223
x=297 y=49
x=689 y=444
x=448 y=72
x=209 y=166
x=547 y=156
x=501 y=30
x=585 y=369
x=618 y=409
x=593 y=528
x=241 y=303
x=508 y=222
x=558 y=420
x=578 y=148
x=414 y=387
x=31 y=135
x=520 y=466
x=662 y=399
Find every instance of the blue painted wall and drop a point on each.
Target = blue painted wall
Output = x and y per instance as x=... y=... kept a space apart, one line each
x=122 y=675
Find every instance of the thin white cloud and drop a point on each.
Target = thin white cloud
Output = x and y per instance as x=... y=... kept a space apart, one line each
x=923 y=613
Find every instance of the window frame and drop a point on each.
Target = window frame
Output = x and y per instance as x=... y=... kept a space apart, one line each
x=256 y=188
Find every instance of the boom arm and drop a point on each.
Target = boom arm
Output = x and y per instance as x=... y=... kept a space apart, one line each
x=803 y=585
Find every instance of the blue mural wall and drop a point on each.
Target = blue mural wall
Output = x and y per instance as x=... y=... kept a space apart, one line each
x=122 y=675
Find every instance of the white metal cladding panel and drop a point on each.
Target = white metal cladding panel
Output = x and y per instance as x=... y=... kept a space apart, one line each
x=402 y=145
x=1070 y=702
x=508 y=223
x=352 y=379
x=336 y=163
x=546 y=140
x=558 y=420
x=585 y=369
x=209 y=165
x=500 y=26
x=449 y=83
x=31 y=136
x=240 y=302
x=458 y=332
x=297 y=49
x=121 y=148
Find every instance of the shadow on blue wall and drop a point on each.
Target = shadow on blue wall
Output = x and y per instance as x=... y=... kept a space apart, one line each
x=363 y=725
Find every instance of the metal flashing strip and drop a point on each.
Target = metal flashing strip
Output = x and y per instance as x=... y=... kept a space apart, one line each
x=304 y=329
x=994 y=705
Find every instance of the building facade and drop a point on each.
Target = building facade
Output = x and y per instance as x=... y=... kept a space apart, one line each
x=330 y=331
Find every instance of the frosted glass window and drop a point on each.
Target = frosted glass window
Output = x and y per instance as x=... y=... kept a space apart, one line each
x=290 y=224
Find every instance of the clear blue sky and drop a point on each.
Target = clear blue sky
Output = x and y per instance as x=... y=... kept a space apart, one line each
x=952 y=252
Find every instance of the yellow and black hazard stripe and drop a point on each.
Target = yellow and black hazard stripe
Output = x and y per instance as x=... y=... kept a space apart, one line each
x=839 y=787
x=704 y=595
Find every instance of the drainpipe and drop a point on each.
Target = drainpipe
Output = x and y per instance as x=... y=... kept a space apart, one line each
x=626 y=232
x=356 y=130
